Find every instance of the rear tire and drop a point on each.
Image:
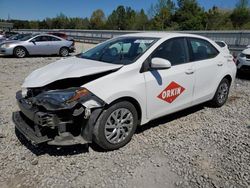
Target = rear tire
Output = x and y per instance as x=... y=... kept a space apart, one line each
x=20 y=52
x=64 y=52
x=116 y=126
x=221 y=94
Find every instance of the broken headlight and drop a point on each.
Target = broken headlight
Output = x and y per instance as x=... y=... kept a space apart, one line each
x=64 y=96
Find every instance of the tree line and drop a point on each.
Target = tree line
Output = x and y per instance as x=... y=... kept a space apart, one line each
x=163 y=15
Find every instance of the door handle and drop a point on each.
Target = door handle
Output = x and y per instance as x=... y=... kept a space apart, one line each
x=220 y=64
x=189 y=71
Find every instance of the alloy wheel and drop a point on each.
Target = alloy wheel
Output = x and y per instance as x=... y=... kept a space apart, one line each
x=118 y=125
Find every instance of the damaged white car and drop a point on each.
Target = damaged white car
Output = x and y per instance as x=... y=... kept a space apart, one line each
x=103 y=94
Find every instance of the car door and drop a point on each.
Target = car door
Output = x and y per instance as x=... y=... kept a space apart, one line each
x=40 y=45
x=207 y=64
x=169 y=90
x=55 y=44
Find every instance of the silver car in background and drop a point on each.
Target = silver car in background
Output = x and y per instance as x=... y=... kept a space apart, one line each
x=38 y=44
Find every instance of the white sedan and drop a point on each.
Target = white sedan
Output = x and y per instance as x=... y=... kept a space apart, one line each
x=103 y=94
x=243 y=60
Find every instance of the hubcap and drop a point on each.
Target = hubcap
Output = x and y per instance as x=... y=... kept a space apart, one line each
x=222 y=93
x=118 y=125
x=64 y=52
x=20 y=52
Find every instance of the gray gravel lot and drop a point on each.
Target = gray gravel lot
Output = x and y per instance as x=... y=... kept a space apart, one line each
x=197 y=147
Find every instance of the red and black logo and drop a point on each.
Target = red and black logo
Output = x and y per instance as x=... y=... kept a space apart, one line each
x=171 y=92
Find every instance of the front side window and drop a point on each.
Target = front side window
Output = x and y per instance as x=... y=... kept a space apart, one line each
x=173 y=50
x=123 y=50
x=201 y=49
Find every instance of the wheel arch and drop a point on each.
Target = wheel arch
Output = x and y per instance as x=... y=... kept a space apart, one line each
x=20 y=46
x=63 y=47
x=229 y=78
x=132 y=101
x=59 y=52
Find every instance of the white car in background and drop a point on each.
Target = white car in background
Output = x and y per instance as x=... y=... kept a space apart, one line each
x=103 y=94
x=243 y=60
x=223 y=45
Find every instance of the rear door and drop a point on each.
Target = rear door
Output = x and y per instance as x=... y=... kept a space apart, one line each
x=170 y=90
x=55 y=44
x=208 y=66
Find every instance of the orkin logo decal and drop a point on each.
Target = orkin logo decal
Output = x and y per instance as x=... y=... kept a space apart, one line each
x=171 y=92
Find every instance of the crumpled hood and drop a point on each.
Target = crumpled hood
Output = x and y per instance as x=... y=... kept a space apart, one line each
x=66 y=68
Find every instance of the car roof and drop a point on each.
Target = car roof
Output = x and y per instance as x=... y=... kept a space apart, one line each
x=45 y=34
x=163 y=35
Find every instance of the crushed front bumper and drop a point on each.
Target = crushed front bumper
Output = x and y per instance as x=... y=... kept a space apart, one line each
x=27 y=131
x=59 y=128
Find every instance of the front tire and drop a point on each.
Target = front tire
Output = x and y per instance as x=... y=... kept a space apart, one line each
x=116 y=126
x=64 y=52
x=20 y=52
x=221 y=94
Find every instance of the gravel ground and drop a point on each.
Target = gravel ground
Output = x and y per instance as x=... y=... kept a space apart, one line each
x=197 y=147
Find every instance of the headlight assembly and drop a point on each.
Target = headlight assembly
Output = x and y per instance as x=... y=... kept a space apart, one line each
x=5 y=45
x=78 y=94
x=242 y=55
x=64 y=96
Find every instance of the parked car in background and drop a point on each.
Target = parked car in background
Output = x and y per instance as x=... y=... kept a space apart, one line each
x=14 y=37
x=103 y=94
x=62 y=35
x=243 y=60
x=8 y=34
x=38 y=44
x=223 y=45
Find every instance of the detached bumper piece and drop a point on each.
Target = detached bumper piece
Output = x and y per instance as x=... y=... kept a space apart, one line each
x=27 y=131
x=37 y=134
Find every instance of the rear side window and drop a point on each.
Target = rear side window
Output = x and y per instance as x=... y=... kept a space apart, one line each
x=173 y=50
x=201 y=49
x=41 y=39
x=53 y=38
x=221 y=44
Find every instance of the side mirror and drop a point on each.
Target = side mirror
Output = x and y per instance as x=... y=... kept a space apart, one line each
x=33 y=41
x=159 y=63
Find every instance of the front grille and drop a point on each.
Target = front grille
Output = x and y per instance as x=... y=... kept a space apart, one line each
x=248 y=56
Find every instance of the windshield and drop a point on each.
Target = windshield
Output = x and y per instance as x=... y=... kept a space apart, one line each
x=123 y=50
x=27 y=37
x=18 y=36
